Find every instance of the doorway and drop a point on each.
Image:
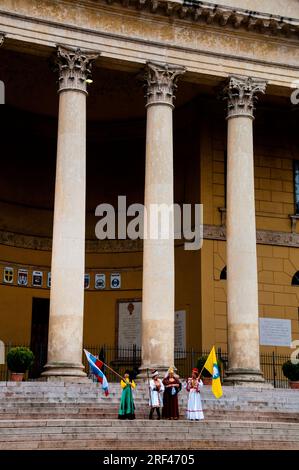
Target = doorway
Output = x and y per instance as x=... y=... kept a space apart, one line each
x=39 y=335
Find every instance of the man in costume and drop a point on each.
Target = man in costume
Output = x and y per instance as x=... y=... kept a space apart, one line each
x=170 y=397
x=156 y=389
x=193 y=386
x=127 y=406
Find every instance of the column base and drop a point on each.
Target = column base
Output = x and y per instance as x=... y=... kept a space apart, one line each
x=245 y=378
x=65 y=372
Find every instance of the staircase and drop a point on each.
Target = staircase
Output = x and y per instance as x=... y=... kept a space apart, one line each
x=47 y=415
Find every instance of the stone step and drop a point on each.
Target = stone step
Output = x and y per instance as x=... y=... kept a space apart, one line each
x=124 y=430
x=139 y=415
x=35 y=400
x=223 y=406
x=92 y=386
x=142 y=393
x=157 y=445
x=113 y=394
x=106 y=403
x=114 y=434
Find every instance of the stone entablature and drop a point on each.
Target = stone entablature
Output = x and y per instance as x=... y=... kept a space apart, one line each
x=219 y=15
x=208 y=50
x=210 y=232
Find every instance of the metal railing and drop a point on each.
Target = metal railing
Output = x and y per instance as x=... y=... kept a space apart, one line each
x=121 y=359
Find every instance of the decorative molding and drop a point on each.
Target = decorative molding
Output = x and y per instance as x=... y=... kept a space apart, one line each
x=211 y=14
x=240 y=92
x=268 y=237
x=161 y=83
x=210 y=232
x=31 y=242
x=74 y=67
x=263 y=237
x=214 y=232
x=218 y=15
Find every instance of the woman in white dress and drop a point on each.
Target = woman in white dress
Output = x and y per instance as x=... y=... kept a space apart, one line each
x=156 y=394
x=193 y=386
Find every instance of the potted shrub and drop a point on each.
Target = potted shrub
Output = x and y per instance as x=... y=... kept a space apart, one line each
x=205 y=375
x=291 y=371
x=19 y=360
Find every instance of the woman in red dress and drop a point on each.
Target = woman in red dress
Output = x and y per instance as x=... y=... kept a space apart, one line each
x=170 y=398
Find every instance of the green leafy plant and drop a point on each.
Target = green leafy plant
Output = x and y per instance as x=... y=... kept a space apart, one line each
x=19 y=359
x=291 y=371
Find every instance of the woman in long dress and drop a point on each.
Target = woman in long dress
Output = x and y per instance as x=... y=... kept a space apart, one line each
x=156 y=394
x=193 y=386
x=127 y=406
x=170 y=397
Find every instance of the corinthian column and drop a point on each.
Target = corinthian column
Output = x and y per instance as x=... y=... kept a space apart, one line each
x=68 y=249
x=242 y=285
x=158 y=253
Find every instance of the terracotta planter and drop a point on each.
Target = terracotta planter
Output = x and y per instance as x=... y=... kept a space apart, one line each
x=17 y=376
x=207 y=380
x=294 y=385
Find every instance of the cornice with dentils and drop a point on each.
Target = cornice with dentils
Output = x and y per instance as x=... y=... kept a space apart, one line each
x=217 y=15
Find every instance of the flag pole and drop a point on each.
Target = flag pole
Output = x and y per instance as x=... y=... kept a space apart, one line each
x=201 y=372
x=112 y=370
x=149 y=388
x=106 y=365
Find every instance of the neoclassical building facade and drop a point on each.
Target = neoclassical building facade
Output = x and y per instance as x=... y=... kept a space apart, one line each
x=163 y=102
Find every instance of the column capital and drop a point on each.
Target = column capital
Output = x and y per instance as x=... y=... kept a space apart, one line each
x=161 y=83
x=241 y=94
x=74 y=68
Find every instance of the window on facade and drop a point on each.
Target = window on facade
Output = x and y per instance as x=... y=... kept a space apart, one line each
x=296 y=185
x=223 y=273
x=295 y=280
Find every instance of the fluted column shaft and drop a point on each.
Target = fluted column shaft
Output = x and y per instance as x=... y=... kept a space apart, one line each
x=158 y=254
x=68 y=249
x=242 y=284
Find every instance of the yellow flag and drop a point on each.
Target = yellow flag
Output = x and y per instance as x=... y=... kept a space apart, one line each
x=212 y=366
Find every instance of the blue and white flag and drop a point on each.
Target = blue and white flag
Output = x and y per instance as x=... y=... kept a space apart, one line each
x=95 y=366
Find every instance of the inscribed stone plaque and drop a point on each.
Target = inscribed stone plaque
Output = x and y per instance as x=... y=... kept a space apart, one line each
x=129 y=326
x=180 y=333
x=275 y=332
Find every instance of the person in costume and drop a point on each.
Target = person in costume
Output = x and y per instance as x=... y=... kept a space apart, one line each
x=156 y=389
x=127 y=406
x=170 y=397
x=194 y=407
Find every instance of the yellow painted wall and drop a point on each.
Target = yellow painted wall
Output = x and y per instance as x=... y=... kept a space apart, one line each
x=274 y=199
x=100 y=305
x=199 y=290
